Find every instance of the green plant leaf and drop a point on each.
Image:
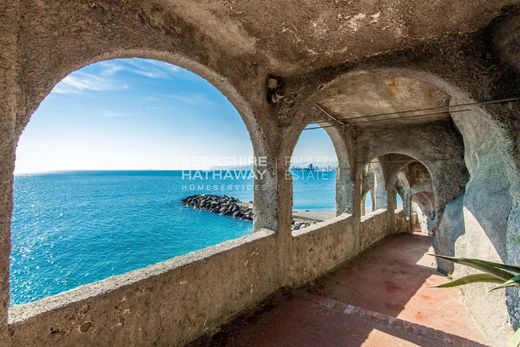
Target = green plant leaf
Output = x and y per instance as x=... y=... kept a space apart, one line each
x=501 y=266
x=477 y=278
x=489 y=267
x=513 y=282
x=515 y=340
x=490 y=263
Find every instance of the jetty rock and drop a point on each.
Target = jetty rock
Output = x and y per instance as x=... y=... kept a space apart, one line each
x=221 y=204
x=230 y=206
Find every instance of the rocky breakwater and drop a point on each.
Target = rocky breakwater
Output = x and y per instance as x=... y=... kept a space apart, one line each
x=221 y=204
x=229 y=206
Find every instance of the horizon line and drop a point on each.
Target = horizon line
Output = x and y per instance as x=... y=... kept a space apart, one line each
x=27 y=173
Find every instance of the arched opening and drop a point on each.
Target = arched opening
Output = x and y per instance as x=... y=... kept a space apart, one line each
x=368 y=203
x=399 y=201
x=313 y=168
x=374 y=192
x=103 y=167
x=423 y=212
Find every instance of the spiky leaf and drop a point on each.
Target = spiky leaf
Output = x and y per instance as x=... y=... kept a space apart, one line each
x=477 y=278
x=500 y=266
x=513 y=282
x=485 y=266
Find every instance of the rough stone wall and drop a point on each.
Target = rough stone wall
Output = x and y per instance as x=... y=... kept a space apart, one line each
x=426 y=144
x=401 y=224
x=374 y=227
x=467 y=69
x=169 y=303
x=321 y=248
x=9 y=107
x=174 y=302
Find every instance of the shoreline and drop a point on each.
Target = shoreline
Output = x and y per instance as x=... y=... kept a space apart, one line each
x=233 y=207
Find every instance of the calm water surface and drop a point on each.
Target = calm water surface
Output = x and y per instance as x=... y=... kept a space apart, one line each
x=74 y=228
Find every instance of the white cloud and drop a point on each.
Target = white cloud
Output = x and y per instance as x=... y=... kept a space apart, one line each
x=151 y=68
x=195 y=99
x=110 y=68
x=106 y=79
x=78 y=82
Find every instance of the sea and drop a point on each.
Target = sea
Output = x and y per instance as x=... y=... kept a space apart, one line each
x=74 y=228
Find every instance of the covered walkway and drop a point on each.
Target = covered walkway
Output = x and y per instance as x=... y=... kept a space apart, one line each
x=421 y=101
x=382 y=298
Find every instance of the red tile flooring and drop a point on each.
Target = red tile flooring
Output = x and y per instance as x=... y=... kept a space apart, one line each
x=382 y=298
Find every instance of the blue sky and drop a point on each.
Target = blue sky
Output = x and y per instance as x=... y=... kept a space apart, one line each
x=139 y=114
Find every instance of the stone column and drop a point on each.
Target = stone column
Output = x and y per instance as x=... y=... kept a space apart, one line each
x=265 y=192
x=379 y=194
x=407 y=206
x=358 y=204
x=391 y=205
x=9 y=106
x=344 y=190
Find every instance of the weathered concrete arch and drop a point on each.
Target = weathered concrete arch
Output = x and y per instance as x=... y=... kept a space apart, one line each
x=344 y=185
x=370 y=193
x=493 y=167
x=265 y=211
x=392 y=165
x=219 y=82
x=448 y=174
x=374 y=181
x=486 y=143
x=372 y=90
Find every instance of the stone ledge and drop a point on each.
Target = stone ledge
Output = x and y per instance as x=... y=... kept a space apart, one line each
x=19 y=313
x=321 y=225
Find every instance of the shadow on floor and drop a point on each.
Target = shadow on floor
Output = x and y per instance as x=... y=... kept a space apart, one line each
x=382 y=297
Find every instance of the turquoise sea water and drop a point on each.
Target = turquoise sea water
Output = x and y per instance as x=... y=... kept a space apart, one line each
x=74 y=228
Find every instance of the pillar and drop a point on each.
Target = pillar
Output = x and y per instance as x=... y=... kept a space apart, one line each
x=9 y=107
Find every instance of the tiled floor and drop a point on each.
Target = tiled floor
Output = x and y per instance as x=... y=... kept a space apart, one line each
x=383 y=298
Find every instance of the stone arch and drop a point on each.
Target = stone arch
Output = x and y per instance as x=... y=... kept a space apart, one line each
x=364 y=196
x=346 y=95
x=406 y=183
x=265 y=208
x=425 y=203
x=344 y=185
x=374 y=182
x=434 y=169
x=490 y=155
x=380 y=190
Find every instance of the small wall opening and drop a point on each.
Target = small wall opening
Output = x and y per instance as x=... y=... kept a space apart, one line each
x=399 y=201
x=368 y=204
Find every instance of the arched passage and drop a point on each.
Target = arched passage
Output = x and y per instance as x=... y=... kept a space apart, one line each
x=463 y=161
